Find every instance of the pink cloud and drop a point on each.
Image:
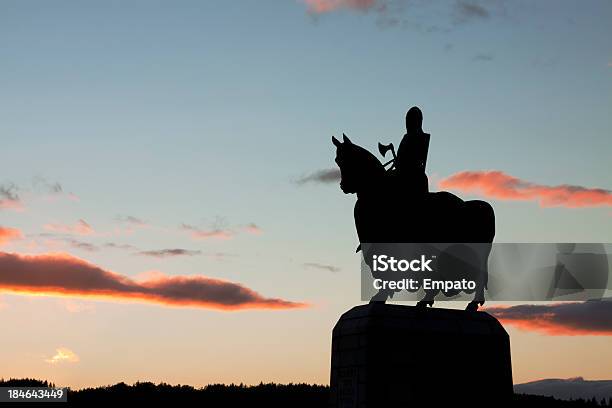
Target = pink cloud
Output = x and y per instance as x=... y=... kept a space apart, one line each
x=80 y=228
x=214 y=233
x=62 y=274
x=9 y=234
x=560 y=319
x=15 y=205
x=502 y=186
x=327 y=6
x=9 y=199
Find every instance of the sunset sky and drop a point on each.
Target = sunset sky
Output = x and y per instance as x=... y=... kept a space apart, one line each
x=168 y=205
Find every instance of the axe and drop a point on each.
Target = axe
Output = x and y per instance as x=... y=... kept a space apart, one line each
x=383 y=149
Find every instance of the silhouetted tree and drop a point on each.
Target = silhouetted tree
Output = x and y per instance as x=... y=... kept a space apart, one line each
x=213 y=395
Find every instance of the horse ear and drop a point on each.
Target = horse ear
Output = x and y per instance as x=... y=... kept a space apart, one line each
x=335 y=141
x=346 y=139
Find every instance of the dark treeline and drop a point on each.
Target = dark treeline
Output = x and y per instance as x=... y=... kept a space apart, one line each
x=25 y=382
x=289 y=395
x=268 y=395
x=522 y=400
x=214 y=395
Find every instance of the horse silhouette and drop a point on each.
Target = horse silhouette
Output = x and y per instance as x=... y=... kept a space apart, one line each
x=387 y=211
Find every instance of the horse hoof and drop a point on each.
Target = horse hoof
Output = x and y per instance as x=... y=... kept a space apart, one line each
x=472 y=306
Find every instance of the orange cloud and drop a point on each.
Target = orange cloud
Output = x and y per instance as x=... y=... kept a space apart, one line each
x=502 y=186
x=63 y=274
x=560 y=319
x=80 y=228
x=8 y=234
x=63 y=355
x=327 y=6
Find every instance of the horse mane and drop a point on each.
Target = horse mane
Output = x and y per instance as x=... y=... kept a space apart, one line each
x=364 y=164
x=369 y=159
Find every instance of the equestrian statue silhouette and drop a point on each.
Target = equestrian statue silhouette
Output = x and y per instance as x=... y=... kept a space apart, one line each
x=394 y=205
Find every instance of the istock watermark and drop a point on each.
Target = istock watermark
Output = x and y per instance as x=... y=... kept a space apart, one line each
x=501 y=271
x=383 y=263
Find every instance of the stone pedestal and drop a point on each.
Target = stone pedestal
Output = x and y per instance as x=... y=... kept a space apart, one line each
x=395 y=356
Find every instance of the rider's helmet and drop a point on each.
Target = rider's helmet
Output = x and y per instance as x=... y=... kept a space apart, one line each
x=414 y=120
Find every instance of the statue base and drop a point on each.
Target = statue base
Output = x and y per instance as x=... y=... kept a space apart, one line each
x=394 y=355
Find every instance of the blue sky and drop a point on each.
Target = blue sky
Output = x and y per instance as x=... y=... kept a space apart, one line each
x=205 y=113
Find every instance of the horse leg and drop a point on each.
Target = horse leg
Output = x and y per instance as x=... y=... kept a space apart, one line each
x=382 y=296
x=473 y=305
x=428 y=300
x=483 y=279
x=479 y=299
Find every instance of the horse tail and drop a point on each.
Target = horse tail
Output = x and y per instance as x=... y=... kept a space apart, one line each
x=482 y=215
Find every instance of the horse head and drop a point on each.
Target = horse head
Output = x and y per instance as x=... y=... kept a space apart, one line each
x=360 y=170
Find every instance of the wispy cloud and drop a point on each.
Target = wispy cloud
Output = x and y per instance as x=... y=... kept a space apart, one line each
x=253 y=228
x=82 y=245
x=63 y=355
x=81 y=227
x=469 y=10
x=167 y=253
x=57 y=240
x=114 y=245
x=327 y=6
x=202 y=233
x=425 y=16
x=482 y=57
x=560 y=319
x=62 y=274
x=52 y=189
x=462 y=10
x=221 y=256
x=130 y=219
x=9 y=234
x=128 y=224
x=9 y=197
x=315 y=265
x=502 y=186
x=41 y=183
x=325 y=176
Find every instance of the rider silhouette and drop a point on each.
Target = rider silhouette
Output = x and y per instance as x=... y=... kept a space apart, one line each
x=412 y=153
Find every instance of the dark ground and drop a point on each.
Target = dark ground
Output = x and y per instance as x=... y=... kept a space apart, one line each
x=219 y=395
